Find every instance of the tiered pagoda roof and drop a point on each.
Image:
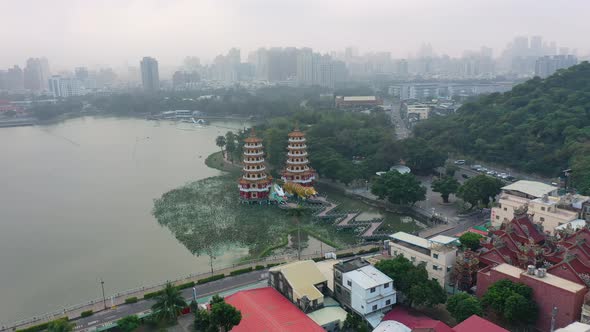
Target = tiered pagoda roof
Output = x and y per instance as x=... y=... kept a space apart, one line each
x=297 y=167
x=255 y=183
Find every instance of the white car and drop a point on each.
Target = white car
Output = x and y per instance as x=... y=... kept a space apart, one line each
x=460 y=162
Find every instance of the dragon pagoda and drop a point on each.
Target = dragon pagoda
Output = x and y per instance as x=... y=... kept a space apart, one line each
x=297 y=169
x=254 y=184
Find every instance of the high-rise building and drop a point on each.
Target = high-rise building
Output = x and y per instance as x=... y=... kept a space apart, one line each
x=33 y=75
x=62 y=87
x=305 y=66
x=547 y=65
x=185 y=79
x=323 y=70
x=150 y=76
x=81 y=73
x=520 y=46
x=536 y=46
x=14 y=78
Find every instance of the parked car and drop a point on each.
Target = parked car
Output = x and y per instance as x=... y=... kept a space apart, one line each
x=460 y=162
x=465 y=176
x=476 y=167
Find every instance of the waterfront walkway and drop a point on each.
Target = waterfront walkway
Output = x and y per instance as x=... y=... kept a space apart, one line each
x=115 y=300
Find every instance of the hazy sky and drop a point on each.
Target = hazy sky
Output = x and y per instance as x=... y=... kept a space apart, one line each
x=90 y=32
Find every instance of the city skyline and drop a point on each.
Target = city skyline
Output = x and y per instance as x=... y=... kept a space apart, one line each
x=117 y=33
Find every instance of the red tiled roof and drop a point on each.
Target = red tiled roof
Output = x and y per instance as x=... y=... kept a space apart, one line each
x=265 y=309
x=476 y=323
x=402 y=315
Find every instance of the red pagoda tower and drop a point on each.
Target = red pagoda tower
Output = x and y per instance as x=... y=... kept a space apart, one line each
x=297 y=169
x=254 y=184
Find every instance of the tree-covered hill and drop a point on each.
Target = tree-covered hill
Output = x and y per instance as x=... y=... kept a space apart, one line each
x=541 y=126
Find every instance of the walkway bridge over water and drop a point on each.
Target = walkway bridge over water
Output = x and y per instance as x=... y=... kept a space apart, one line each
x=348 y=219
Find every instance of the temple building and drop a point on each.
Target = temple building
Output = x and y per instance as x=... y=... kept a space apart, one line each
x=297 y=169
x=255 y=183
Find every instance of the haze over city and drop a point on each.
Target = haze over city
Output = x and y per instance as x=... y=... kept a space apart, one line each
x=120 y=32
x=283 y=165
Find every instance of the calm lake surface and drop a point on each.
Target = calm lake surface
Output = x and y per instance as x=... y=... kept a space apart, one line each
x=75 y=206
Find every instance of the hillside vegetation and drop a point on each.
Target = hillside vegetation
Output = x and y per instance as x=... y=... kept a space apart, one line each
x=540 y=126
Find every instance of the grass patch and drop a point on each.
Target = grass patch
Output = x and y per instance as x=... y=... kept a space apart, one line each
x=216 y=161
x=269 y=250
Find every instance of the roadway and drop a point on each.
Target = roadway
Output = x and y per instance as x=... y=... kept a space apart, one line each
x=204 y=292
x=401 y=130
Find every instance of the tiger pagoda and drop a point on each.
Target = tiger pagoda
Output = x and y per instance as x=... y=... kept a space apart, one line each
x=297 y=169
x=254 y=184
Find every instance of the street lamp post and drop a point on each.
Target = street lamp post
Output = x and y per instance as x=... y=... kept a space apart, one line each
x=104 y=299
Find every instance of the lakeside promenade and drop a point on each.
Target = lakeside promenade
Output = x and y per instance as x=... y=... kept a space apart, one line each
x=118 y=299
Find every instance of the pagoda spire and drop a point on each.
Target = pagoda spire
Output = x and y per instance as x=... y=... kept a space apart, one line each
x=254 y=184
x=297 y=169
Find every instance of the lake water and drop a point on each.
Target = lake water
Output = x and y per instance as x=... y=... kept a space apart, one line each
x=75 y=206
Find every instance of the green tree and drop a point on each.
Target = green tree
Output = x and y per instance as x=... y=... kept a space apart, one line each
x=420 y=156
x=470 y=240
x=412 y=281
x=398 y=188
x=462 y=306
x=202 y=320
x=445 y=186
x=354 y=323
x=168 y=304
x=224 y=316
x=512 y=301
x=426 y=293
x=60 y=325
x=480 y=189
x=220 y=142
x=230 y=145
x=129 y=323
x=450 y=170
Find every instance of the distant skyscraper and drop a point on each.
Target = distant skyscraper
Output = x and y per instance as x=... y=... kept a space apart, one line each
x=81 y=73
x=150 y=76
x=323 y=70
x=486 y=51
x=520 y=46
x=547 y=65
x=14 y=78
x=536 y=46
x=305 y=66
x=33 y=75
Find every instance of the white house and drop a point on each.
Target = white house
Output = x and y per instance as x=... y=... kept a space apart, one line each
x=363 y=289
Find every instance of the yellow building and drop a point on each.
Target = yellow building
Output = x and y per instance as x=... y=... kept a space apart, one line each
x=438 y=253
x=537 y=199
x=301 y=282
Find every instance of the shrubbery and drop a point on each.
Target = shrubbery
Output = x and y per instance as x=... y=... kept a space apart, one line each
x=131 y=299
x=86 y=313
x=211 y=278
x=41 y=327
x=240 y=271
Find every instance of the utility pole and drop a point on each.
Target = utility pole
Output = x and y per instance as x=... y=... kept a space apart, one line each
x=104 y=299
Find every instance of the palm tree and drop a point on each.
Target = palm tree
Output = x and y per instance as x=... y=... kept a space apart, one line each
x=60 y=325
x=220 y=142
x=296 y=213
x=168 y=304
